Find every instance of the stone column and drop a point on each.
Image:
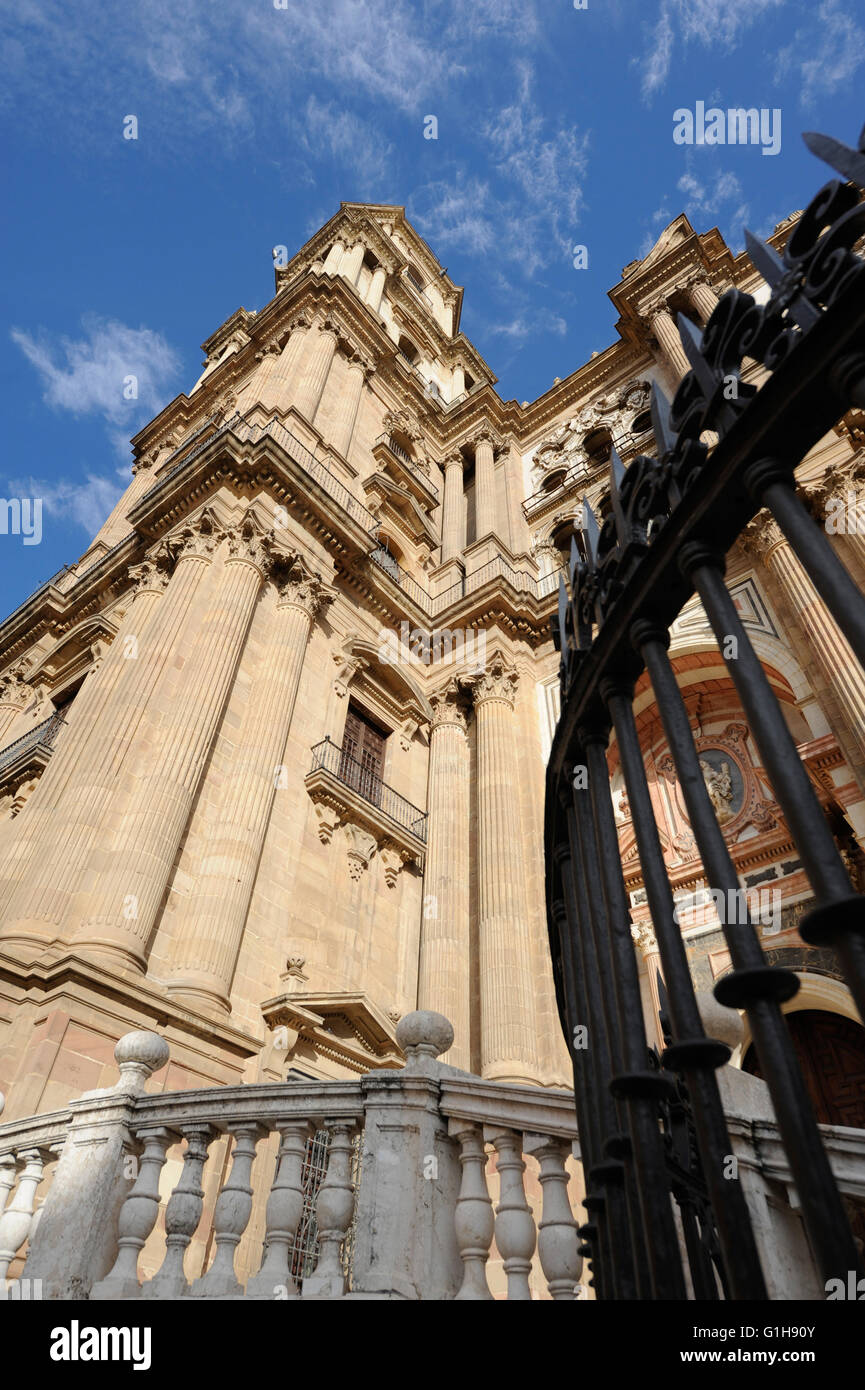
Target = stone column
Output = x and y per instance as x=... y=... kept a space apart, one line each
x=115 y=909
x=46 y=856
x=276 y=381
x=376 y=288
x=508 y=1024
x=15 y=693
x=646 y=943
x=826 y=644
x=334 y=257
x=351 y=262
x=349 y=404
x=702 y=298
x=458 y=381
x=838 y=501
x=486 y=446
x=314 y=369
x=204 y=950
x=444 y=981
x=664 y=328
x=453 y=514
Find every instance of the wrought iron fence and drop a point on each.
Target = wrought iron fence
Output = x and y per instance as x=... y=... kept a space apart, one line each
x=672 y=520
x=369 y=785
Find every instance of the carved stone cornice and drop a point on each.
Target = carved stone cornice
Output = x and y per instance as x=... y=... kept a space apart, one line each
x=496 y=683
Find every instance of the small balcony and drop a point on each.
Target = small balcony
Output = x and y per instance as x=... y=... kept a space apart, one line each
x=374 y=818
x=30 y=752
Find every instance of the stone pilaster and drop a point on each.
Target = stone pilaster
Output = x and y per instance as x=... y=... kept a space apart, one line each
x=205 y=946
x=646 y=943
x=508 y=1025
x=453 y=508
x=487 y=445
x=444 y=981
x=133 y=854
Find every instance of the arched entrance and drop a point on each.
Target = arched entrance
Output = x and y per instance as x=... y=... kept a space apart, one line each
x=831 y=1052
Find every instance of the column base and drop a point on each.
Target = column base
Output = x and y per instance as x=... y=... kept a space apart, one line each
x=199 y=996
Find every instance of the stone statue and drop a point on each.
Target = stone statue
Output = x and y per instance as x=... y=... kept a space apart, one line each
x=719 y=785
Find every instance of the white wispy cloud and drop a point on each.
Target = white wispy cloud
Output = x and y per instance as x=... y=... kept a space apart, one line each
x=704 y=22
x=85 y=503
x=117 y=372
x=529 y=325
x=714 y=201
x=357 y=143
x=824 y=53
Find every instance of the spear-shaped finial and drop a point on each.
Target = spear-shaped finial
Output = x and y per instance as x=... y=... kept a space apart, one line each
x=850 y=163
x=665 y=436
x=617 y=477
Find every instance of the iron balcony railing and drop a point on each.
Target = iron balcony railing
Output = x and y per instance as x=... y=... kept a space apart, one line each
x=43 y=736
x=672 y=520
x=386 y=562
x=405 y=457
x=351 y=773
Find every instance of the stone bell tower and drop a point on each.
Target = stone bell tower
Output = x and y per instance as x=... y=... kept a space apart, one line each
x=230 y=813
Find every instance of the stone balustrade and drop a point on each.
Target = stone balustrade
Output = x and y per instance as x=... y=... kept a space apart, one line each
x=421 y=1183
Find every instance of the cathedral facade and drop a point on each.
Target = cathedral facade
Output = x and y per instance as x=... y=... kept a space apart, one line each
x=272 y=750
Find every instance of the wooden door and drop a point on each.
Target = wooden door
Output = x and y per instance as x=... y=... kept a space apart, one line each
x=362 y=760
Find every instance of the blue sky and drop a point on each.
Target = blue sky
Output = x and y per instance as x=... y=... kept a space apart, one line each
x=256 y=118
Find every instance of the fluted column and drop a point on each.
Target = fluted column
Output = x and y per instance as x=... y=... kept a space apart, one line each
x=458 y=381
x=314 y=369
x=207 y=940
x=453 y=508
x=646 y=943
x=349 y=404
x=824 y=640
x=351 y=262
x=508 y=1027
x=703 y=298
x=486 y=445
x=444 y=979
x=129 y=868
x=15 y=693
x=334 y=257
x=276 y=380
x=663 y=326
x=376 y=288
x=46 y=854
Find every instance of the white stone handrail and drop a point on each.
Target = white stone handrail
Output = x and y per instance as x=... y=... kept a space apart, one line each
x=403 y=1186
x=27 y=1149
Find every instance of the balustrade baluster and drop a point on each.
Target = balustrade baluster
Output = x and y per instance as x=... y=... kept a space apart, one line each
x=182 y=1216
x=137 y=1217
x=473 y=1218
x=333 y=1212
x=8 y=1169
x=557 y=1229
x=231 y=1215
x=284 y=1210
x=515 y=1225
x=17 y=1217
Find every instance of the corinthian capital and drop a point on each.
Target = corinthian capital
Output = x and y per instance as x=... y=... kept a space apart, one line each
x=761 y=536
x=200 y=538
x=497 y=682
x=14 y=689
x=643 y=937
x=487 y=435
x=448 y=706
x=299 y=587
